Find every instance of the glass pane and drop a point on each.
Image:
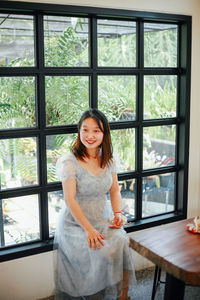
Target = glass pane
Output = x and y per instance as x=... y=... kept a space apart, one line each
x=128 y=193
x=17 y=40
x=55 y=203
x=17 y=104
x=117 y=97
x=20 y=220
x=158 y=194
x=160 y=45
x=18 y=162
x=123 y=141
x=160 y=93
x=67 y=97
x=116 y=43
x=65 y=41
x=57 y=145
x=159 y=146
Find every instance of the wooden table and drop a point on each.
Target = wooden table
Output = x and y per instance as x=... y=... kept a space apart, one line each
x=174 y=249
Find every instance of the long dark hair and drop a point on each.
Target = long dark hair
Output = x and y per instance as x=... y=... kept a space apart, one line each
x=80 y=151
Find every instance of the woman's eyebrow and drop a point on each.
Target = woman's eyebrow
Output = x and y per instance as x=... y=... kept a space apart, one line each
x=96 y=127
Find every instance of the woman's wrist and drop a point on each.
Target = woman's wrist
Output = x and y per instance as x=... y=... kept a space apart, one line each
x=117 y=212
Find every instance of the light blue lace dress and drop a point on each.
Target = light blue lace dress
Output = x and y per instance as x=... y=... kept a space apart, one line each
x=81 y=272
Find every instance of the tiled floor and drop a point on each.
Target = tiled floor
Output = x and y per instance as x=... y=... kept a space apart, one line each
x=145 y=283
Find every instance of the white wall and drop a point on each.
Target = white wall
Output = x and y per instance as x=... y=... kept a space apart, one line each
x=27 y=278
x=32 y=277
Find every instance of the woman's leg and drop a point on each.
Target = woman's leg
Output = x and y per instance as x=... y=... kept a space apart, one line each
x=126 y=278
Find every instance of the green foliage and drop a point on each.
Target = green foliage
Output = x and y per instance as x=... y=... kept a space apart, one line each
x=117 y=52
x=66 y=97
x=117 y=95
x=160 y=96
x=68 y=49
x=160 y=48
x=56 y=146
x=19 y=161
x=124 y=146
x=17 y=102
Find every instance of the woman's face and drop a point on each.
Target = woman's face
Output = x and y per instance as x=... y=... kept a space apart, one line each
x=90 y=134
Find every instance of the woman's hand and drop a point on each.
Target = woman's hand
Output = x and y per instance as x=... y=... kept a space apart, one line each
x=117 y=222
x=94 y=239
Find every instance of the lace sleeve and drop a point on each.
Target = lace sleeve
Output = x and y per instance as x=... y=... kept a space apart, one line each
x=66 y=167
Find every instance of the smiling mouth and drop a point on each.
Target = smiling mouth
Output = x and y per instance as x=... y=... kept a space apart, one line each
x=90 y=142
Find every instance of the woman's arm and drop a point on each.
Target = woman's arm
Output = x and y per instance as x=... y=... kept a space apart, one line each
x=116 y=202
x=93 y=236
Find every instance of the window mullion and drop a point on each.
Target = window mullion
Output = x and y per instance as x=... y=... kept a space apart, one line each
x=41 y=113
x=140 y=45
x=139 y=107
x=93 y=63
x=2 y=236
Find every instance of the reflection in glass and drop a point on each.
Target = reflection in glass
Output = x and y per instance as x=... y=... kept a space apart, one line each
x=57 y=145
x=17 y=40
x=160 y=93
x=116 y=43
x=55 y=203
x=158 y=194
x=160 y=45
x=18 y=161
x=123 y=142
x=128 y=193
x=159 y=146
x=20 y=220
x=67 y=97
x=65 y=41
x=117 y=97
x=17 y=104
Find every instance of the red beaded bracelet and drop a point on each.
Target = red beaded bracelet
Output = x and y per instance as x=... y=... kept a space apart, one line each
x=118 y=212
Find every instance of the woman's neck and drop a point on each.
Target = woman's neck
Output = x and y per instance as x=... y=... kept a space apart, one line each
x=93 y=153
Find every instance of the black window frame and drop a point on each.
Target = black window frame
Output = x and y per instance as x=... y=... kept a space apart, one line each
x=182 y=120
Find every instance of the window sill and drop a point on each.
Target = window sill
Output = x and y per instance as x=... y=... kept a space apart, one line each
x=41 y=247
x=25 y=250
x=154 y=221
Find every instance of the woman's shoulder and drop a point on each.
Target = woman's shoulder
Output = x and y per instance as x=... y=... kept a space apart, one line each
x=114 y=163
x=66 y=166
x=67 y=157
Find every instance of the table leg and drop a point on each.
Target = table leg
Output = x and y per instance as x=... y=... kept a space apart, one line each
x=174 y=288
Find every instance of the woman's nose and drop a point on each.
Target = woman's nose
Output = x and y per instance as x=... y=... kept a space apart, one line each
x=90 y=134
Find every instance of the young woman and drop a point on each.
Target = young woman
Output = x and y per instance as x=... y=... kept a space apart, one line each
x=93 y=257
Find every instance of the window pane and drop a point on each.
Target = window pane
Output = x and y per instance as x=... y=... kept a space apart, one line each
x=160 y=45
x=20 y=220
x=123 y=141
x=17 y=104
x=67 y=97
x=128 y=192
x=65 y=41
x=160 y=95
x=18 y=161
x=55 y=203
x=57 y=145
x=17 y=40
x=158 y=194
x=159 y=146
x=116 y=43
x=117 y=97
